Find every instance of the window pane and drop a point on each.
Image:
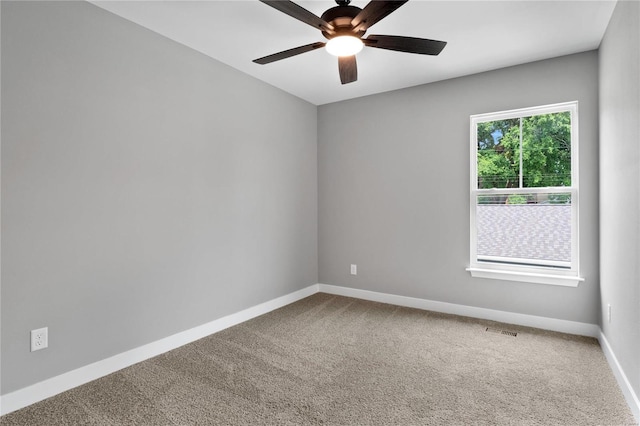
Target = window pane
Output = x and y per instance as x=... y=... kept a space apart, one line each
x=498 y=154
x=546 y=154
x=525 y=229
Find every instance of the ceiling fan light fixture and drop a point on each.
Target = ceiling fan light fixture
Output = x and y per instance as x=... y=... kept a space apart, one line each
x=345 y=45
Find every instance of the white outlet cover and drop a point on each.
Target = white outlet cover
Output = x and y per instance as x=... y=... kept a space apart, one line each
x=39 y=339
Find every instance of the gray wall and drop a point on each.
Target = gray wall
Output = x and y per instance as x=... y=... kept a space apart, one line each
x=619 y=186
x=146 y=188
x=393 y=173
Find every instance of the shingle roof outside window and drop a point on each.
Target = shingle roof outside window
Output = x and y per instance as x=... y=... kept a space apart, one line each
x=526 y=231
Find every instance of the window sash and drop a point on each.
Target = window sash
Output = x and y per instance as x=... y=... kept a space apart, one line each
x=477 y=261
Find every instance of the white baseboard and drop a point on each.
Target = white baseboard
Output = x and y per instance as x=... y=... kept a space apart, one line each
x=564 y=326
x=50 y=387
x=30 y=395
x=618 y=372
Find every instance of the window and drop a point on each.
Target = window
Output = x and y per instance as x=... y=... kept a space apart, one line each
x=524 y=195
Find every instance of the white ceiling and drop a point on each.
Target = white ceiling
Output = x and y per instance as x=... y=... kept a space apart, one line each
x=481 y=35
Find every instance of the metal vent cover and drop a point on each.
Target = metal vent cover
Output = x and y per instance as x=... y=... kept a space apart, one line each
x=505 y=332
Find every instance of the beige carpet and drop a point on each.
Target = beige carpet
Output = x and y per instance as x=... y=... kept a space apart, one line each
x=340 y=361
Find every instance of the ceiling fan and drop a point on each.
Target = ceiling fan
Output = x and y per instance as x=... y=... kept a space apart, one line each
x=344 y=26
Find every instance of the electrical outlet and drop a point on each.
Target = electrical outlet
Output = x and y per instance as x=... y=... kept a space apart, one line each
x=609 y=312
x=354 y=269
x=39 y=339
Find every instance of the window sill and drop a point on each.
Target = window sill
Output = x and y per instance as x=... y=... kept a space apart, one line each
x=527 y=277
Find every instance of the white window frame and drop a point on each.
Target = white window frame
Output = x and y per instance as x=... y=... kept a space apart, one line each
x=570 y=274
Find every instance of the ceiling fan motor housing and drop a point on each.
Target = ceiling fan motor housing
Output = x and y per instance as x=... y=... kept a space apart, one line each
x=340 y=17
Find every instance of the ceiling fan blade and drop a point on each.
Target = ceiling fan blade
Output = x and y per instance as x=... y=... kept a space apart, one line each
x=289 y=53
x=373 y=12
x=421 y=46
x=348 y=69
x=300 y=13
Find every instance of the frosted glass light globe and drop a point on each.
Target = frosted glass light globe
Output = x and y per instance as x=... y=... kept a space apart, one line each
x=344 y=45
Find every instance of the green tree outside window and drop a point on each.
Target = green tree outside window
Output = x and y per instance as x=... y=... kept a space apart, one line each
x=543 y=142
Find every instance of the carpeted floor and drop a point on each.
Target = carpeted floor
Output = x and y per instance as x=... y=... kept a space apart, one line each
x=339 y=361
